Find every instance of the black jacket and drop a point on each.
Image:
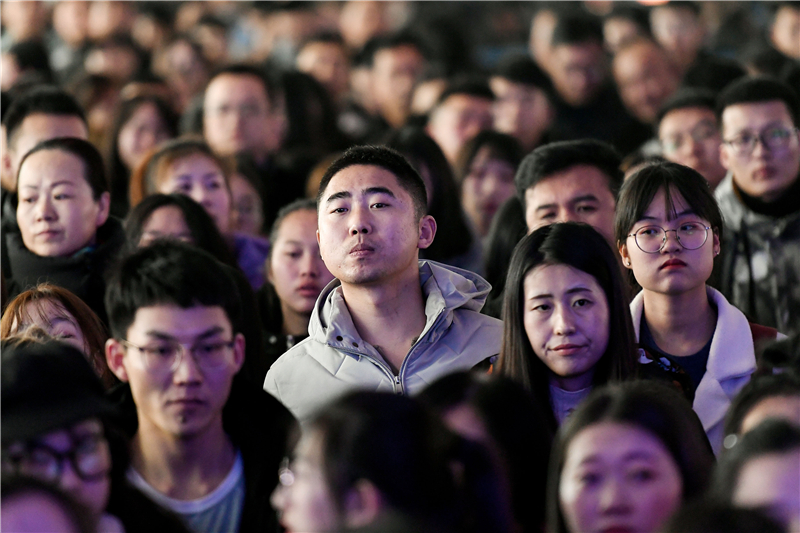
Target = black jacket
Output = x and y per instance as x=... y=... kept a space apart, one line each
x=82 y=274
x=259 y=426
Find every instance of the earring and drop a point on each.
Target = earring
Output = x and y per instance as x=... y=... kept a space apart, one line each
x=628 y=262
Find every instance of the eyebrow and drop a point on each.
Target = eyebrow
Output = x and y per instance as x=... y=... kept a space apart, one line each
x=685 y=212
x=584 y=198
x=370 y=190
x=574 y=290
x=630 y=456
x=210 y=332
x=52 y=185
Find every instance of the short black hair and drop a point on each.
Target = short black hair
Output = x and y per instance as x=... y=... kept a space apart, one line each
x=476 y=86
x=32 y=55
x=639 y=190
x=577 y=28
x=271 y=85
x=522 y=69
x=390 y=41
x=387 y=159
x=758 y=389
x=683 y=98
x=169 y=273
x=554 y=157
x=95 y=169
x=713 y=75
x=755 y=89
x=47 y=100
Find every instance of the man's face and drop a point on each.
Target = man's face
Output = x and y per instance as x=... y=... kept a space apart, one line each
x=578 y=71
x=34 y=129
x=186 y=401
x=457 y=120
x=522 y=111
x=395 y=71
x=690 y=136
x=645 y=79
x=237 y=116
x=577 y=194
x=368 y=230
x=328 y=64
x=679 y=31
x=57 y=213
x=762 y=173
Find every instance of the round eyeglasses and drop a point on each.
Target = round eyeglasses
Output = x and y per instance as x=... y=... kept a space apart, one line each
x=651 y=239
x=166 y=355
x=775 y=139
x=89 y=457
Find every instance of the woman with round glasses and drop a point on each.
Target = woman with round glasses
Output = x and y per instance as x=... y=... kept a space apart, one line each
x=668 y=228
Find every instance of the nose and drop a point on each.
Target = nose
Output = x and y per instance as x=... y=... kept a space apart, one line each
x=279 y=497
x=69 y=480
x=671 y=243
x=614 y=497
x=44 y=208
x=359 y=221
x=309 y=265
x=563 y=321
x=187 y=371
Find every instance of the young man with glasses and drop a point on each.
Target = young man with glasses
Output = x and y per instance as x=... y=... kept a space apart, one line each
x=760 y=200
x=687 y=130
x=200 y=447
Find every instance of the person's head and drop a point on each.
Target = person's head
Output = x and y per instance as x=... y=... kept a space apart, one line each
x=325 y=57
x=784 y=33
x=645 y=77
x=523 y=100
x=577 y=63
x=485 y=168
x=53 y=406
x=463 y=110
x=706 y=516
x=565 y=312
x=624 y=23
x=500 y=414
x=371 y=210
x=30 y=505
x=678 y=27
x=758 y=117
x=186 y=166
x=370 y=453
x=570 y=181
x=763 y=470
x=668 y=228
x=63 y=196
x=626 y=459
x=42 y=114
x=397 y=63
x=177 y=217
x=25 y=58
x=507 y=229
x=175 y=319
x=688 y=133
x=764 y=396
x=294 y=266
x=63 y=316
x=240 y=112
x=140 y=124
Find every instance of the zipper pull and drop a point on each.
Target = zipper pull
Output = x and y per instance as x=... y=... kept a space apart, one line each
x=398 y=387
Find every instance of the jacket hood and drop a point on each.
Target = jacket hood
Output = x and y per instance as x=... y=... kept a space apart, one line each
x=443 y=286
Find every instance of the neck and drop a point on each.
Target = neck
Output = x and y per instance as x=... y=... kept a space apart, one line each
x=389 y=316
x=294 y=323
x=572 y=383
x=681 y=324
x=183 y=468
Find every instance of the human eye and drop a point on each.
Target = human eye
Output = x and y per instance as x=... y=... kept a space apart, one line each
x=589 y=478
x=642 y=474
x=547 y=215
x=586 y=208
x=87 y=445
x=776 y=134
x=29 y=199
x=582 y=302
x=649 y=231
x=743 y=140
x=160 y=351
x=379 y=205
x=543 y=307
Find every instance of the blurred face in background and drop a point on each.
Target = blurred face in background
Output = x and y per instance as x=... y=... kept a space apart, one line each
x=522 y=111
x=690 y=136
x=247 y=211
x=144 y=129
x=456 y=120
x=578 y=71
x=487 y=185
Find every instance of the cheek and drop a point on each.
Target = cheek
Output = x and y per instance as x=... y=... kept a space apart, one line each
x=577 y=505
x=535 y=330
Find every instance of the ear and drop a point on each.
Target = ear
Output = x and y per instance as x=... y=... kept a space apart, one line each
x=9 y=179
x=623 y=253
x=104 y=208
x=717 y=247
x=238 y=351
x=115 y=357
x=363 y=504
x=724 y=156
x=427 y=231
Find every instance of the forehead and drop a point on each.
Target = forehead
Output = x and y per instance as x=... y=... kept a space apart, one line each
x=564 y=185
x=402 y=53
x=636 y=57
x=179 y=322
x=580 y=52
x=356 y=178
x=466 y=103
x=197 y=162
x=300 y=223
x=658 y=207
x=551 y=278
x=503 y=86
x=686 y=118
x=234 y=88
x=754 y=115
x=612 y=440
x=46 y=166
x=45 y=309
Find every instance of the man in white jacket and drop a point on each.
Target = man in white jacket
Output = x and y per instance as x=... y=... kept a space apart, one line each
x=389 y=322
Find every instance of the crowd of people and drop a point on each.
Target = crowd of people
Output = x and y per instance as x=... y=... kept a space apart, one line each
x=396 y=266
